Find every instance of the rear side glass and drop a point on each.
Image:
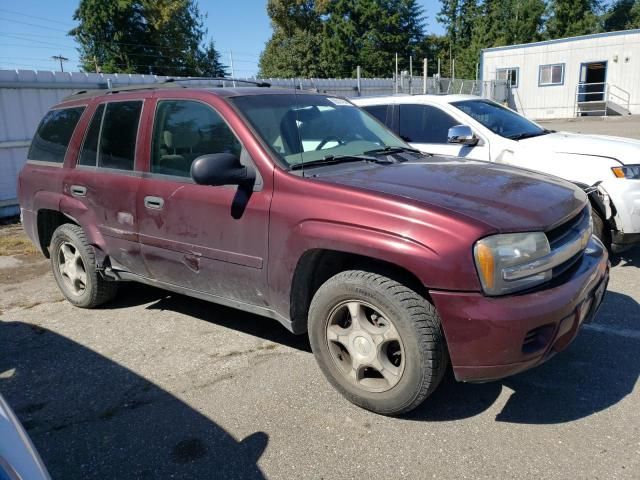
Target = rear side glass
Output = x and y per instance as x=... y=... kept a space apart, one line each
x=117 y=145
x=89 y=154
x=52 y=138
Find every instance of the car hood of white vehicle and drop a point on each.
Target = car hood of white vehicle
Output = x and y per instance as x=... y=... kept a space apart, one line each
x=625 y=150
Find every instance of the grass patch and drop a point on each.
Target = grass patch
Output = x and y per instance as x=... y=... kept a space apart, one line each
x=13 y=241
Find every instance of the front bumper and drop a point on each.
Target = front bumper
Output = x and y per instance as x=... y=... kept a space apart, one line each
x=625 y=196
x=494 y=337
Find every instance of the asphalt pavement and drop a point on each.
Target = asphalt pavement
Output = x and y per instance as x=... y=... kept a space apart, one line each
x=157 y=385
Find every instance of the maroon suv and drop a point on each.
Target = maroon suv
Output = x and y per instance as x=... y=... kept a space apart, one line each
x=303 y=208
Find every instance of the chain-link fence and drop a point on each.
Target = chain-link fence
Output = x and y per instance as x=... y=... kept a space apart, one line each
x=352 y=87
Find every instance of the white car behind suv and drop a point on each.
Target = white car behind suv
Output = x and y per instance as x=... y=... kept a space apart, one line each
x=607 y=168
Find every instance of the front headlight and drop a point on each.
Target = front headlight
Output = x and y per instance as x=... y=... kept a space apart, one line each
x=628 y=171
x=510 y=262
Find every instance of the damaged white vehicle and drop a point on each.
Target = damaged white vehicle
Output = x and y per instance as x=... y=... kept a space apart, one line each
x=607 y=168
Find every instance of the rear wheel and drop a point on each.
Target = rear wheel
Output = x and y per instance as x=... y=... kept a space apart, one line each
x=377 y=341
x=74 y=267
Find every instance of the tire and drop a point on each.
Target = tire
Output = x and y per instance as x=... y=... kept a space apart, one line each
x=600 y=229
x=73 y=263
x=402 y=334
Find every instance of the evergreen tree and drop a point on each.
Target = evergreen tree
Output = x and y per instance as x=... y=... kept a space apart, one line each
x=332 y=37
x=144 y=36
x=369 y=33
x=568 y=18
x=294 y=47
x=622 y=15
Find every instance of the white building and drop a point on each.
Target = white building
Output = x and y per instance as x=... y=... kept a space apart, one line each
x=593 y=74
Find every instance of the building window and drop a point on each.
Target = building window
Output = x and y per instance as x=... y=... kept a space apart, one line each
x=551 y=75
x=510 y=74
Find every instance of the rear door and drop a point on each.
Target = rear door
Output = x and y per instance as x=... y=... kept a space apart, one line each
x=426 y=128
x=106 y=181
x=210 y=239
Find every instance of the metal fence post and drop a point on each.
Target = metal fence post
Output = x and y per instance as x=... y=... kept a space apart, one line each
x=424 y=76
x=358 y=83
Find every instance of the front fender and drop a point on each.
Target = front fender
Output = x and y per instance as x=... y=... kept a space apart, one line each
x=441 y=266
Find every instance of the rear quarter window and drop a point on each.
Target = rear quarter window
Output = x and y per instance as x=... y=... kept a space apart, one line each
x=51 y=140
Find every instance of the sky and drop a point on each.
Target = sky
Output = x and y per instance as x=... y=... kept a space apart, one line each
x=33 y=31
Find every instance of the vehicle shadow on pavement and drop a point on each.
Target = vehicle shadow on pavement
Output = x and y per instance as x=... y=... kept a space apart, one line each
x=597 y=371
x=628 y=258
x=255 y=325
x=92 y=418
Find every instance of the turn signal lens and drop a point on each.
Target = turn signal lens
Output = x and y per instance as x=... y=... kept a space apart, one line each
x=618 y=172
x=486 y=264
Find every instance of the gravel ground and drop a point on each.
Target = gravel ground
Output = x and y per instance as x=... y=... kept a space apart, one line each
x=157 y=385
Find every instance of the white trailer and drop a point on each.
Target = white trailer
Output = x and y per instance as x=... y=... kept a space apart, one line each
x=595 y=74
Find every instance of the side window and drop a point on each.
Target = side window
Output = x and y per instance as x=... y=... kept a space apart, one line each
x=51 y=140
x=509 y=74
x=89 y=154
x=184 y=130
x=117 y=145
x=425 y=124
x=379 y=111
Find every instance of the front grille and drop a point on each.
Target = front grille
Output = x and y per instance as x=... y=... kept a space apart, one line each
x=566 y=236
x=559 y=235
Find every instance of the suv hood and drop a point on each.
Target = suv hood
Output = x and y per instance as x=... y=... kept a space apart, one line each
x=506 y=198
x=625 y=150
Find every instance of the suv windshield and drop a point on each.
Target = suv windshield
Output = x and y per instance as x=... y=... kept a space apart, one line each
x=500 y=120
x=304 y=128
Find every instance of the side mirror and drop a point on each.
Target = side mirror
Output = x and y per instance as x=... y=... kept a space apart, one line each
x=462 y=135
x=221 y=169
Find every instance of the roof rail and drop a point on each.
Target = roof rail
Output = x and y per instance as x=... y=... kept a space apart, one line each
x=124 y=88
x=219 y=79
x=168 y=83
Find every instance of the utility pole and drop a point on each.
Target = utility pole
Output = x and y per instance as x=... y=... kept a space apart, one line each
x=62 y=59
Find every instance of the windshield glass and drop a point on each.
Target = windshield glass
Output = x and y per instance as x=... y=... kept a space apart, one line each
x=499 y=119
x=303 y=128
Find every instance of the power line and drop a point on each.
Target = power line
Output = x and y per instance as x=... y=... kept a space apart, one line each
x=35 y=17
x=12 y=20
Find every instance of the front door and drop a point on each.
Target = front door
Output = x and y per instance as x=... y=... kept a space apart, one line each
x=426 y=128
x=592 y=86
x=204 y=238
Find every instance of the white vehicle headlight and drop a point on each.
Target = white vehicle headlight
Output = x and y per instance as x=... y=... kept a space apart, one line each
x=510 y=262
x=628 y=171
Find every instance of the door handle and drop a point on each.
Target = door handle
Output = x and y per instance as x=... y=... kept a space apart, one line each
x=78 y=190
x=154 y=203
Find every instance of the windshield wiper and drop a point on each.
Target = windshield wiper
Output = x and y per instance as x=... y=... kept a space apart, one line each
x=334 y=159
x=522 y=136
x=392 y=150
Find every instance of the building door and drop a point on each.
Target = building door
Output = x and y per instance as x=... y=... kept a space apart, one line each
x=592 y=86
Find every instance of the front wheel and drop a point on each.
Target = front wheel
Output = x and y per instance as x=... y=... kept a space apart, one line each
x=600 y=229
x=377 y=341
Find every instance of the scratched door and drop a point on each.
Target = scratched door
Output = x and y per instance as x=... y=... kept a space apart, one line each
x=205 y=238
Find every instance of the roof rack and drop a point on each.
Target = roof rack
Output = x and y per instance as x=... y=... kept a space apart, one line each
x=219 y=79
x=168 y=83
